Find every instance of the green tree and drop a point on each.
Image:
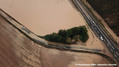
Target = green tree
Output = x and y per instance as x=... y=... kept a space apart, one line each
x=66 y=36
x=62 y=33
x=76 y=31
x=76 y=37
x=68 y=40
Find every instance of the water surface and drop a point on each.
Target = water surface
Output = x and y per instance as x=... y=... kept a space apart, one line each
x=43 y=16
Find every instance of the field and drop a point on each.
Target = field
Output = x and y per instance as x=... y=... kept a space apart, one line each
x=16 y=50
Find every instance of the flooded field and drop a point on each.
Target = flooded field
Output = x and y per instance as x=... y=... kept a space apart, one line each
x=43 y=16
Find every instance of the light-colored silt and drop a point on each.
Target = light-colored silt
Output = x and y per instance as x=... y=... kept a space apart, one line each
x=43 y=16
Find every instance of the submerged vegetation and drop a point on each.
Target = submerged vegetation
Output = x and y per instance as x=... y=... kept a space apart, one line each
x=69 y=36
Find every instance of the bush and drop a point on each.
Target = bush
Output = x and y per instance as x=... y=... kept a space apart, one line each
x=62 y=33
x=68 y=40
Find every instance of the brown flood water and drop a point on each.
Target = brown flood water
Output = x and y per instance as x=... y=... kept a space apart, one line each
x=43 y=16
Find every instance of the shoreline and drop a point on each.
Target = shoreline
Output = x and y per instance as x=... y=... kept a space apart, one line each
x=103 y=55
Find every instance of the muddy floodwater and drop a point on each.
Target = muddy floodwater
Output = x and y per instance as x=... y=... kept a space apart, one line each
x=43 y=16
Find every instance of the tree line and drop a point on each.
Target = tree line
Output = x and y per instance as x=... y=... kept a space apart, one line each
x=69 y=36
